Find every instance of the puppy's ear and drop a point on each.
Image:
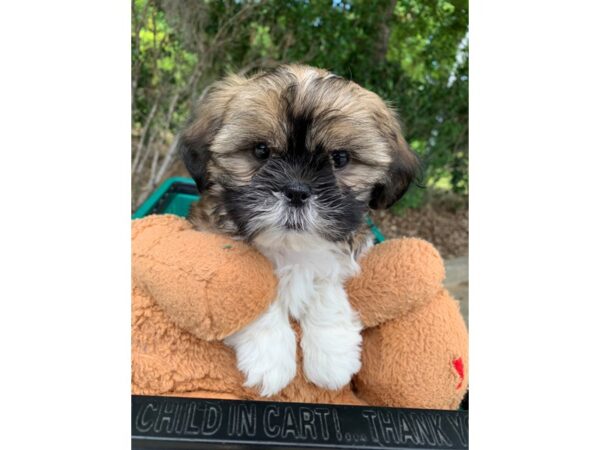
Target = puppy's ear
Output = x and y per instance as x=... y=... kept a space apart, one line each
x=403 y=168
x=195 y=141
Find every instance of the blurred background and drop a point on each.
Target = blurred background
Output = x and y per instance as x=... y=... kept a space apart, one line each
x=413 y=53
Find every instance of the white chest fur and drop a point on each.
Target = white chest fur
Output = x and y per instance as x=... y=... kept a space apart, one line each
x=306 y=268
x=311 y=276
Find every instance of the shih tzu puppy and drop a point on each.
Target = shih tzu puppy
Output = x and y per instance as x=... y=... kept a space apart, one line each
x=291 y=161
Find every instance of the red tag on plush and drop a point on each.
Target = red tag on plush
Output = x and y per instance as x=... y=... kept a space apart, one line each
x=460 y=369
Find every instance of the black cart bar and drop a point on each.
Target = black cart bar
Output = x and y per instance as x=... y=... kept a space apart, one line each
x=184 y=423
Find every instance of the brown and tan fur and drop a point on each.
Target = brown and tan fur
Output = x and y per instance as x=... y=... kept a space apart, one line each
x=291 y=161
x=237 y=112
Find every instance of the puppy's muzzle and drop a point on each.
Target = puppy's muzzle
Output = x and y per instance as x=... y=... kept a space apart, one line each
x=297 y=193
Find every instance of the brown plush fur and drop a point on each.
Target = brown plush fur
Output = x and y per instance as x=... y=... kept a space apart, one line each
x=191 y=289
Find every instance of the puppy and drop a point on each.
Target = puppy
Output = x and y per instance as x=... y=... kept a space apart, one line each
x=291 y=161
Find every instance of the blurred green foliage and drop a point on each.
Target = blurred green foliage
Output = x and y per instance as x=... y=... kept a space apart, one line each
x=413 y=53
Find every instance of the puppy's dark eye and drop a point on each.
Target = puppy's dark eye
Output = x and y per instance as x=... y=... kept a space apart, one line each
x=340 y=158
x=261 y=151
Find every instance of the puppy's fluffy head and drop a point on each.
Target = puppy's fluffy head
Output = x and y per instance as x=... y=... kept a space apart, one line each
x=297 y=149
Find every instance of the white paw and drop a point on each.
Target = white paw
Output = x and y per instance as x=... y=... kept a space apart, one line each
x=266 y=354
x=272 y=376
x=331 y=355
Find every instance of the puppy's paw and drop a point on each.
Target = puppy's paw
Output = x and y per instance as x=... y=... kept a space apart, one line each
x=266 y=356
x=331 y=355
x=271 y=381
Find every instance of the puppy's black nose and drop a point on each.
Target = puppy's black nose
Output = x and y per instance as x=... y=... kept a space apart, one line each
x=297 y=193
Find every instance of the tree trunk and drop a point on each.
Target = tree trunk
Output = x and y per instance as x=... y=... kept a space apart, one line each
x=384 y=33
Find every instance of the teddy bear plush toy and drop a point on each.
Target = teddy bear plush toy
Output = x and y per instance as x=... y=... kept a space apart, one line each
x=192 y=289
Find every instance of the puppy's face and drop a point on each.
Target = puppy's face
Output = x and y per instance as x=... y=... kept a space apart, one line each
x=296 y=150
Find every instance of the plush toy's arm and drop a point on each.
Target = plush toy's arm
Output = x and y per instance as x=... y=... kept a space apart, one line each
x=209 y=285
x=396 y=277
